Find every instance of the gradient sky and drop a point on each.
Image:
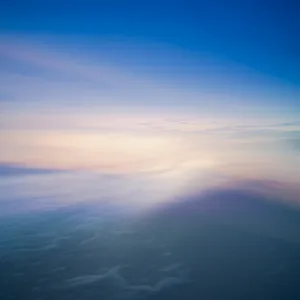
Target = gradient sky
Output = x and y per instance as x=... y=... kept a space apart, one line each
x=134 y=86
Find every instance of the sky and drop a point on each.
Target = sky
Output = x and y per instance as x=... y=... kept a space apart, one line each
x=178 y=89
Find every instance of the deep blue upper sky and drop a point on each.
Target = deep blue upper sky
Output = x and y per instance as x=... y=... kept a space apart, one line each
x=261 y=34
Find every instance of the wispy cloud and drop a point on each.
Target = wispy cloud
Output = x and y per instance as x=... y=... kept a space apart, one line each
x=19 y=170
x=47 y=75
x=118 y=286
x=71 y=111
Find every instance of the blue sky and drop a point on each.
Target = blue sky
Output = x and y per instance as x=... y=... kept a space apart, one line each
x=261 y=34
x=132 y=86
x=246 y=49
